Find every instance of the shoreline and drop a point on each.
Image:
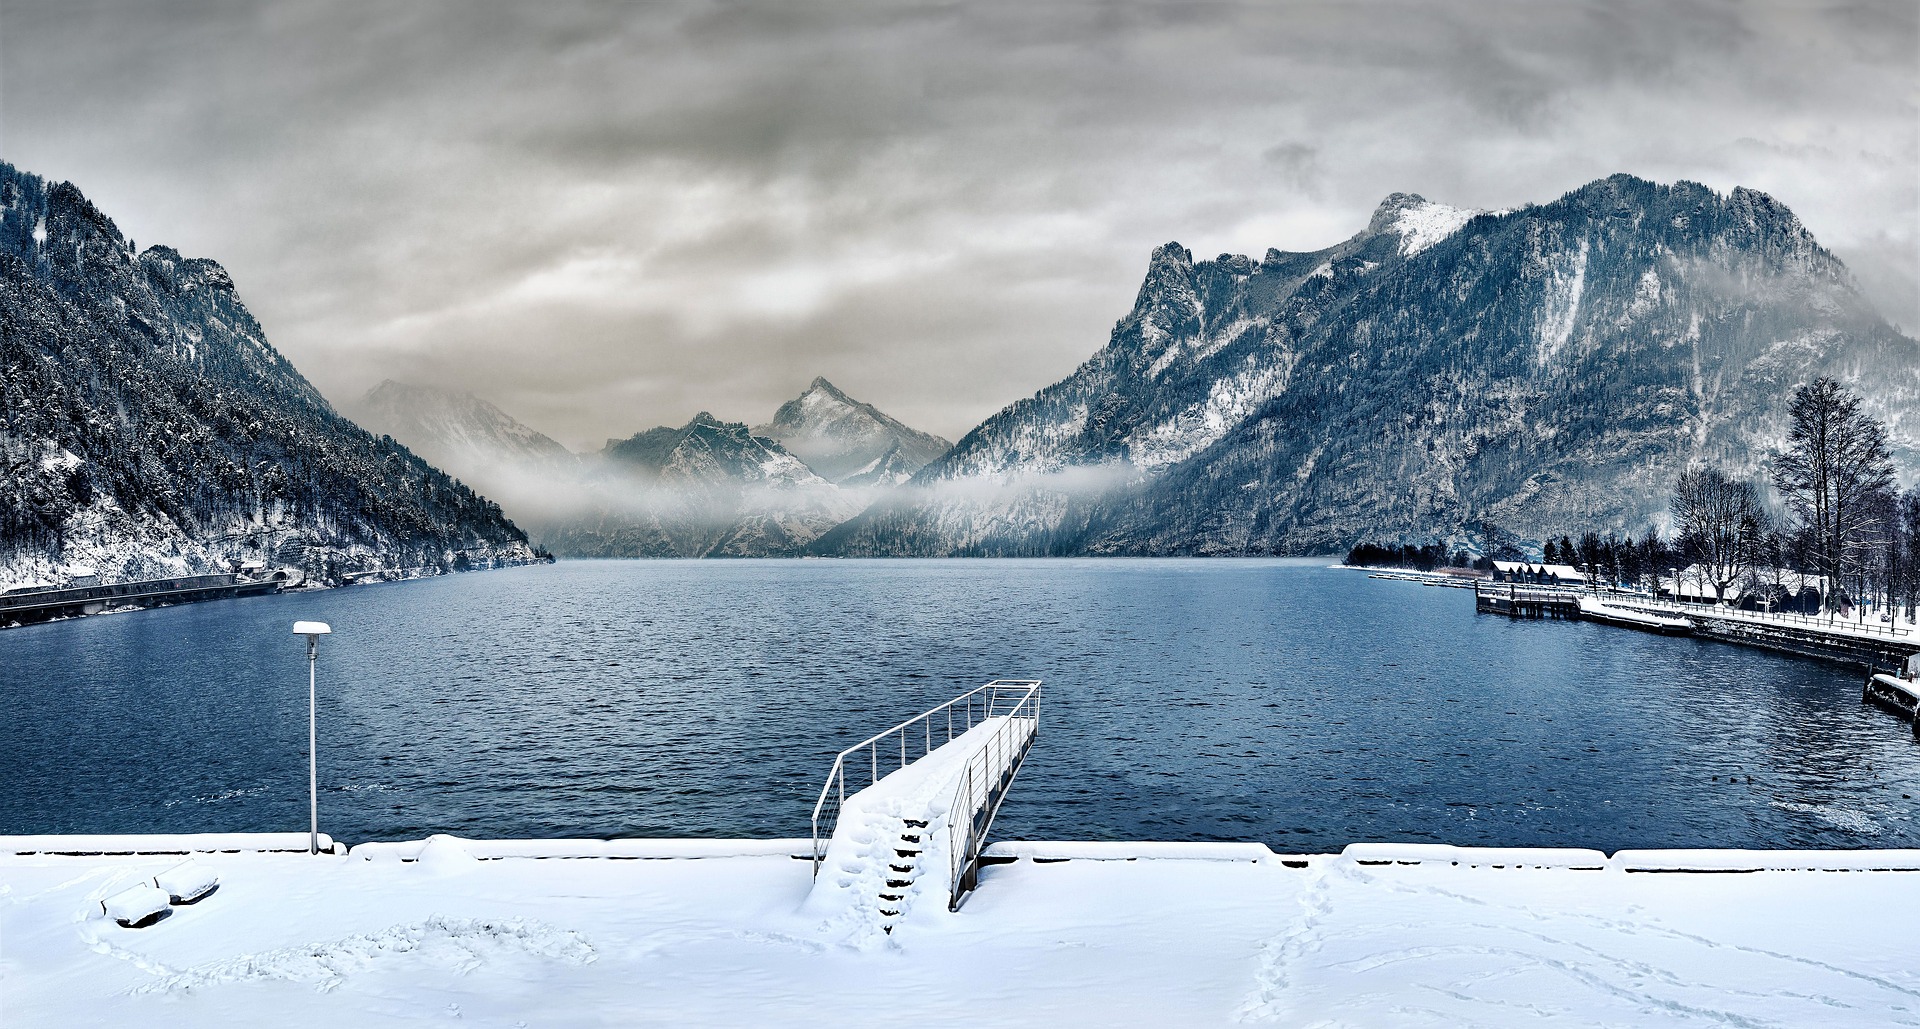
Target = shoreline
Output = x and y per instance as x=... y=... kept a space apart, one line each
x=800 y=848
x=678 y=932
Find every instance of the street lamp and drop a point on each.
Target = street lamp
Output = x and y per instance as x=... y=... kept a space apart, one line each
x=312 y=631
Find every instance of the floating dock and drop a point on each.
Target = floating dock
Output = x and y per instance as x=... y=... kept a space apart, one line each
x=1897 y=692
x=1595 y=610
x=1523 y=600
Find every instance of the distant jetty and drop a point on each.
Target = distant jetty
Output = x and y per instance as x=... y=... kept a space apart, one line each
x=1873 y=647
x=22 y=607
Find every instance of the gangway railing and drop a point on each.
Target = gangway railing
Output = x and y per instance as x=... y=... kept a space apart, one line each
x=984 y=786
x=986 y=779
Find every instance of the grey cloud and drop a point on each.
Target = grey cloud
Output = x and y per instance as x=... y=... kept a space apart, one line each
x=604 y=216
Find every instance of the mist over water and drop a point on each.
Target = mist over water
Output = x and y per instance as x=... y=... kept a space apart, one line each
x=1279 y=701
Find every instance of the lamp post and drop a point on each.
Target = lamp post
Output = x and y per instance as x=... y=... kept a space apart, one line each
x=312 y=631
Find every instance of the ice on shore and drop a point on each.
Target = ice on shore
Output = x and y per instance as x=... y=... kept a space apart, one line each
x=1065 y=935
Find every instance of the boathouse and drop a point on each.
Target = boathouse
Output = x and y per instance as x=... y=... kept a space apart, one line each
x=1759 y=589
x=1537 y=574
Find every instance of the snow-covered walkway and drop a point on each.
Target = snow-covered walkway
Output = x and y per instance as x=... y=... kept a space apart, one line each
x=891 y=850
x=1179 y=935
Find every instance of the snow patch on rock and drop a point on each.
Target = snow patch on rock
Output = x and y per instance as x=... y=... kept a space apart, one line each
x=1560 y=307
x=1425 y=223
x=1229 y=402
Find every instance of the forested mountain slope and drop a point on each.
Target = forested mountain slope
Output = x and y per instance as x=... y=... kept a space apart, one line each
x=149 y=428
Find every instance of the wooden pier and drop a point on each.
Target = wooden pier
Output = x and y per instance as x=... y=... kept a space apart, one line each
x=1521 y=600
x=1871 y=648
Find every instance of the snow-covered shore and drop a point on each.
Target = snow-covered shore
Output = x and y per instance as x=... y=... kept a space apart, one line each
x=717 y=933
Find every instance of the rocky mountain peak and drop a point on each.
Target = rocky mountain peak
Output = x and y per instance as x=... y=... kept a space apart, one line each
x=1419 y=222
x=838 y=436
x=1169 y=273
x=1390 y=210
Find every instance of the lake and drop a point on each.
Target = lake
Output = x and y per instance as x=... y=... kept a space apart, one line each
x=1286 y=702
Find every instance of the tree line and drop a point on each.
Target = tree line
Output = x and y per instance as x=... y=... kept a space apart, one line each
x=1839 y=530
x=1843 y=527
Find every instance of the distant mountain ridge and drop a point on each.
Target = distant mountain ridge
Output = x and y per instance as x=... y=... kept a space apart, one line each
x=840 y=437
x=709 y=488
x=1440 y=374
x=453 y=430
x=150 y=429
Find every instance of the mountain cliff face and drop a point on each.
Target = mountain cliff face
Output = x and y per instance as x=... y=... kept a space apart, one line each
x=706 y=489
x=149 y=428
x=1440 y=373
x=841 y=438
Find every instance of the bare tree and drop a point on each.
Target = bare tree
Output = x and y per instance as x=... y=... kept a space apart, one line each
x=1834 y=476
x=1908 y=581
x=1720 y=523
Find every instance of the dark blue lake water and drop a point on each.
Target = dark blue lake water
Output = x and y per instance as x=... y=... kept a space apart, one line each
x=1286 y=702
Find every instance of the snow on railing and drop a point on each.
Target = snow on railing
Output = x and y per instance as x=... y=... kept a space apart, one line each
x=867 y=762
x=1829 y=623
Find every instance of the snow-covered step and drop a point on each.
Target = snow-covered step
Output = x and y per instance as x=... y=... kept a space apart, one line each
x=898 y=844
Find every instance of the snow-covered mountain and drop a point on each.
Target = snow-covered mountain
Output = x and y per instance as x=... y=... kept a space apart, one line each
x=1441 y=373
x=843 y=439
x=705 y=489
x=456 y=431
x=538 y=482
x=149 y=428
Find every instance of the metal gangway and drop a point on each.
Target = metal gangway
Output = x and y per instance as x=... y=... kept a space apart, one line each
x=993 y=725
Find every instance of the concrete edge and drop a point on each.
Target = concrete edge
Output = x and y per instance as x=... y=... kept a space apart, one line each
x=133 y=844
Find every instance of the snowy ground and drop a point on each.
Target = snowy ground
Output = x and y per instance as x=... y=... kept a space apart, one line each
x=1180 y=935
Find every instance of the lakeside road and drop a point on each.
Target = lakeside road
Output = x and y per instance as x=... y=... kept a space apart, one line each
x=1168 y=938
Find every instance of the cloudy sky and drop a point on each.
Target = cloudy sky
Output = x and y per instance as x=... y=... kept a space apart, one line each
x=607 y=216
